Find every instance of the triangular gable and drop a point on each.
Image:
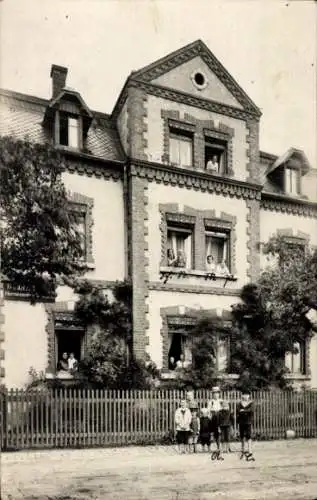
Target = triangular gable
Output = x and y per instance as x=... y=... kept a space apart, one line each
x=167 y=72
x=291 y=153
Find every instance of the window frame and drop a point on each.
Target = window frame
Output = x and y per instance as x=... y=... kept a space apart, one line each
x=297 y=173
x=66 y=115
x=302 y=359
x=186 y=136
x=190 y=233
x=215 y=144
x=212 y=233
x=82 y=204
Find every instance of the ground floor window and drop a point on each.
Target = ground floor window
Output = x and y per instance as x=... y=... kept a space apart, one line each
x=295 y=362
x=70 y=346
x=180 y=349
x=222 y=357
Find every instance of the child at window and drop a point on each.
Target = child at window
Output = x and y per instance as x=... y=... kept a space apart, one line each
x=225 y=423
x=210 y=264
x=62 y=365
x=194 y=430
x=205 y=429
x=245 y=420
x=222 y=269
x=72 y=362
x=213 y=165
x=181 y=259
x=182 y=419
x=171 y=260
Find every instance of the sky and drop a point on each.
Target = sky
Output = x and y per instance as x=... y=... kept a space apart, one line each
x=269 y=47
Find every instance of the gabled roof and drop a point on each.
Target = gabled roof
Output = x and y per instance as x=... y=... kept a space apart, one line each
x=22 y=116
x=281 y=160
x=67 y=91
x=180 y=56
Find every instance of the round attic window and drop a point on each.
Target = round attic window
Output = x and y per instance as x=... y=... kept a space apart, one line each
x=199 y=80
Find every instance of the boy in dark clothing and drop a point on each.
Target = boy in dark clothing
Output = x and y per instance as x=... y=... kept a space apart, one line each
x=245 y=420
x=194 y=430
x=205 y=429
x=225 y=423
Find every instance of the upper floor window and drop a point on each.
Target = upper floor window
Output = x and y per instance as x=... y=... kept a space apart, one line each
x=216 y=155
x=217 y=247
x=292 y=181
x=69 y=131
x=81 y=227
x=181 y=148
x=180 y=247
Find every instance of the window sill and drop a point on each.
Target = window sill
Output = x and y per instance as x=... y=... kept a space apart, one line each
x=297 y=376
x=167 y=272
x=60 y=375
x=86 y=265
x=173 y=374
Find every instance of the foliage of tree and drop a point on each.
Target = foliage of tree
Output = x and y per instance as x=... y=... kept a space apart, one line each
x=267 y=321
x=203 y=371
x=39 y=241
x=110 y=361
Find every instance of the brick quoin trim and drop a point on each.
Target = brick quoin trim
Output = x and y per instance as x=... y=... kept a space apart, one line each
x=137 y=123
x=253 y=153
x=201 y=221
x=200 y=129
x=253 y=240
x=2 y=335
x=139 y=264
x=187 y=316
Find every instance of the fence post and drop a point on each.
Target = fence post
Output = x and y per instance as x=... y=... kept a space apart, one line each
x=3 y=418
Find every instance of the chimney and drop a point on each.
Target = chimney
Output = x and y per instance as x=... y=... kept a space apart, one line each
x=58 y=75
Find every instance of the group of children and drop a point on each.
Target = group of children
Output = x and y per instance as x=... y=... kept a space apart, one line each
x=216 y=420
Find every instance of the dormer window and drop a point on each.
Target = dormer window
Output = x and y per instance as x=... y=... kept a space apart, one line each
x=69 y=131
x=292 y=181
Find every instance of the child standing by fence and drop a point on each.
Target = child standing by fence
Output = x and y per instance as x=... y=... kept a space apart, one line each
x=205 y=429
x=194 y=430
x=225 y=424
x=183 y=418
x=245 y=420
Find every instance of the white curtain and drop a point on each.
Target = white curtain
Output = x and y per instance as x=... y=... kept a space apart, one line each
x=181 y=151
x=73 y=132
x=222 y=355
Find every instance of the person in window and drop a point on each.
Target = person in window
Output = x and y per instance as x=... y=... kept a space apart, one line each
x=171 y=259
x=62 y=365
x=182 y=363
x=222 y=269
x=171 y=363
x=210 y=264
x=213 y=164
x=181 y=259
x=72 y=363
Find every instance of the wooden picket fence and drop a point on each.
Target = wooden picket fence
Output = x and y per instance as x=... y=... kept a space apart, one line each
x=89 y=418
